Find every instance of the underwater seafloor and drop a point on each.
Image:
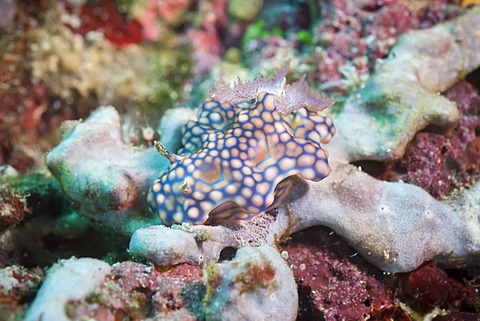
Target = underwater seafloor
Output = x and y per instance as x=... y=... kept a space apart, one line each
x=392 y=233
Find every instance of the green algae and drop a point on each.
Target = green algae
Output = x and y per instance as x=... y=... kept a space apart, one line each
x=213 y=299
x=258 y=30
x=52 y=229
x=193 y=295
x=166 y=71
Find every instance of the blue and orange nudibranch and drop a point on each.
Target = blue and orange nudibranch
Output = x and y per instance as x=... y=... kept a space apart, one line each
x=238 y=155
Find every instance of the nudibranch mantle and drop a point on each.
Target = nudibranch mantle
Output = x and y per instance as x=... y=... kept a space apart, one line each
x=237 y=159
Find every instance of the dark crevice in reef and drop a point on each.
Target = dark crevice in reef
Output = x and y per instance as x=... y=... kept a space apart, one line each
x=306 y=306
x=63 y=233
x=373 y=168
x=227 y=254
x=474 y=79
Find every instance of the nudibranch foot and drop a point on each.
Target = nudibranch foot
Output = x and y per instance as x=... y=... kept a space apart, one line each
x=231 y=212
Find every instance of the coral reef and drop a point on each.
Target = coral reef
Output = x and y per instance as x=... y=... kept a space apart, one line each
x=51 y=229
x=257 y=277
x=134 y=290
x=430 y=287
x=406 y=115
x=72 y=65
x=116 y=29
x=29 y=117
x=254 y=277
x=12 y=208
x=82 y=275
x=401 y=97
x=427 y=285
x=355 y=35
x=334 y=280
x=17 y=286
x=458 y=316
x=412 y=225
x=385 y=221
x=8 y=9
x=395 y=226
x=455 y=163
x=116 y=193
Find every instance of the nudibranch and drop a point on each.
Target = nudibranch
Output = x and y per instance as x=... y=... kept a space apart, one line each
x=240 y=152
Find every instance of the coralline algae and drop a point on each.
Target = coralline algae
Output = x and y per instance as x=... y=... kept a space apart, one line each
x=402 y=96
x=334 y=282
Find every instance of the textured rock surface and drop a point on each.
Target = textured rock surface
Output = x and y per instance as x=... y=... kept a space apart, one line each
x=67 y=280
x=139 y=292
x=256 y=284
x=437 y=161
x=401 y=97
x=334 y=282
x=105 y=178
x=17 y=286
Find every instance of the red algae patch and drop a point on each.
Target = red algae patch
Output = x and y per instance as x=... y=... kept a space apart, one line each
x=357 y=33
x=430 y=286
x=442 y=161
x=137 y=292
x=117 y=29
x=427 y=285
x=339 y=284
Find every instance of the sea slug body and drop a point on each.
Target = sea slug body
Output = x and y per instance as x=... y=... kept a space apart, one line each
x=237 y=159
